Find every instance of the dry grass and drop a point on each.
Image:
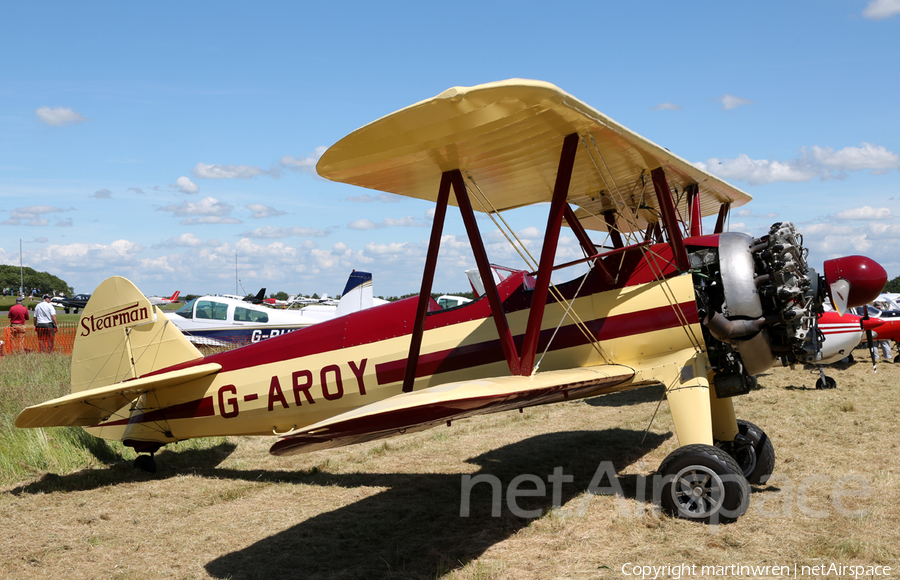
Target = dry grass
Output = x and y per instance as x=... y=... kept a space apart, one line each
x=391 y=509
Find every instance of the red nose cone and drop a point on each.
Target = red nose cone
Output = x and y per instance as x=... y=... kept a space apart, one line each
x=866 y=277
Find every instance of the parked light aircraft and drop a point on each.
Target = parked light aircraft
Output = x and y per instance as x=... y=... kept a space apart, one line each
x=252 y=299
x=888 y=322
x=159 y=301
x=73 y=304
x=840 y=335
x=227 y=321
x=698 y=313
x=275 y=303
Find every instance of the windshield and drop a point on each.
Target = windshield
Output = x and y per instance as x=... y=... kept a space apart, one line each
x=187 y=310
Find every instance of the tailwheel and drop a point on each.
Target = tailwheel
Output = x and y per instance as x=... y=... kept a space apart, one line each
x=704 y=484
x=145 y=463
x=753 y=451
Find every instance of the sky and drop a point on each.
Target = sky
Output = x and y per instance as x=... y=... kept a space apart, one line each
x=175 y=143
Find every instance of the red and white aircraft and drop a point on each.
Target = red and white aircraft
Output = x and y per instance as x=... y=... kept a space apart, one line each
x=698 y=313
x=159 y=301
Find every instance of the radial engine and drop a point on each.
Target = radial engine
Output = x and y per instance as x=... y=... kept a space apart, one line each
x=759 y=301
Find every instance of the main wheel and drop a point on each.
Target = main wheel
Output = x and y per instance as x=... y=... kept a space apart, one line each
x=756 y=460
x=827 y=383
x=704 y=484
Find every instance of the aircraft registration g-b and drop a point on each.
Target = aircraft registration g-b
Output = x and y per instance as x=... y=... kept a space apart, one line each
x=661 y=303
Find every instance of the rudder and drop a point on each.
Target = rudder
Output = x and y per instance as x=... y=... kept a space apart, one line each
x=121 y=336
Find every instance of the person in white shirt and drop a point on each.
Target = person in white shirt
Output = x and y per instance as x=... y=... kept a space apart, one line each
x=45 y=324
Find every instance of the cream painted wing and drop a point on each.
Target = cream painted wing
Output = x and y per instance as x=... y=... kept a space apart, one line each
x=419 y=410
x=506 y=137
x=93 y=406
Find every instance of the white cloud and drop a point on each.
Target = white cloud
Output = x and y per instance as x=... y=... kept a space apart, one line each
x=880 y=230
x=880 y=9
x=304 y=164
x=32 y=215
x=868 y=156
x=87 y=257
x=865 y=213
x=187 y=240
x=209 y=220
x=261 y=211
x=381 y=197
x=185 y=185
x=210 y=210
x=102 y=194
x=273 y=232
x=732 y=102
x=750 y=213
x=59 y=117
x=362 y=224
x=759 y=171
x=813 y=162
x=666 y=107
x=404 y=222
x=206 y=171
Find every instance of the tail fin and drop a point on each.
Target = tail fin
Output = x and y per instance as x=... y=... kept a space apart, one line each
x=357 y=295
x=175 y=296
x=121 y=335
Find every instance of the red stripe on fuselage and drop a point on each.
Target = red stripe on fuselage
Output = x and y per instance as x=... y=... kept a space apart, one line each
x=474 y=355
x=190 y=410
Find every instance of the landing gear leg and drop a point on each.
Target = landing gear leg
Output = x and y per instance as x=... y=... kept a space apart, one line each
x=701 y=482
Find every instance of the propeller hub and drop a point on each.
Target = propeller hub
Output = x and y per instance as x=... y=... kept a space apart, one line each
x=854 y=281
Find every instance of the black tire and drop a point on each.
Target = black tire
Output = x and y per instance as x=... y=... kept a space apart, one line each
x=145 y=463
x=758 y=460
x=704 y=484
x=66 y=310
x=828 y=383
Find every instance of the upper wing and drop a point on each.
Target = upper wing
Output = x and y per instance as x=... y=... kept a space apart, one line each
x=93 y=406
x=427 y=408
x=507 y=136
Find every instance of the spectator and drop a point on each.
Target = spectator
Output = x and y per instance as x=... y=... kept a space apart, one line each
x=18 y=314
x=45 y=323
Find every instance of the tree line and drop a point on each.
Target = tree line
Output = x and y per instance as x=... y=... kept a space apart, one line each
x=45 y=282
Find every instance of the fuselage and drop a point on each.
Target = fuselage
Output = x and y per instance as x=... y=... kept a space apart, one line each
x=338 y=365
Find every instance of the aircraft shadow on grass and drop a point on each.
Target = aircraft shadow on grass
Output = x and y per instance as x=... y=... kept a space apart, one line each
x=414 y=528
x=117 y=470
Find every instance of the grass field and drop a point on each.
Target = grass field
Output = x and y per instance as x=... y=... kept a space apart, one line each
x=224 y=508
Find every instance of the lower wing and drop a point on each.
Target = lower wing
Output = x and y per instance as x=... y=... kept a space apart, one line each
x=93 y=406
x=419 y=410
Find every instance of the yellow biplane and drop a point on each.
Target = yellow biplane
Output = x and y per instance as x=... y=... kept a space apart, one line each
x=661 y=302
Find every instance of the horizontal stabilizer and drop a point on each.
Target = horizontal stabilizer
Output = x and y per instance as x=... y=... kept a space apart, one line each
x=93 y=406
x=427 y=408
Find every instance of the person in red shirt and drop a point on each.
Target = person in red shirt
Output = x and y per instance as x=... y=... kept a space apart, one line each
x=18 y=314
